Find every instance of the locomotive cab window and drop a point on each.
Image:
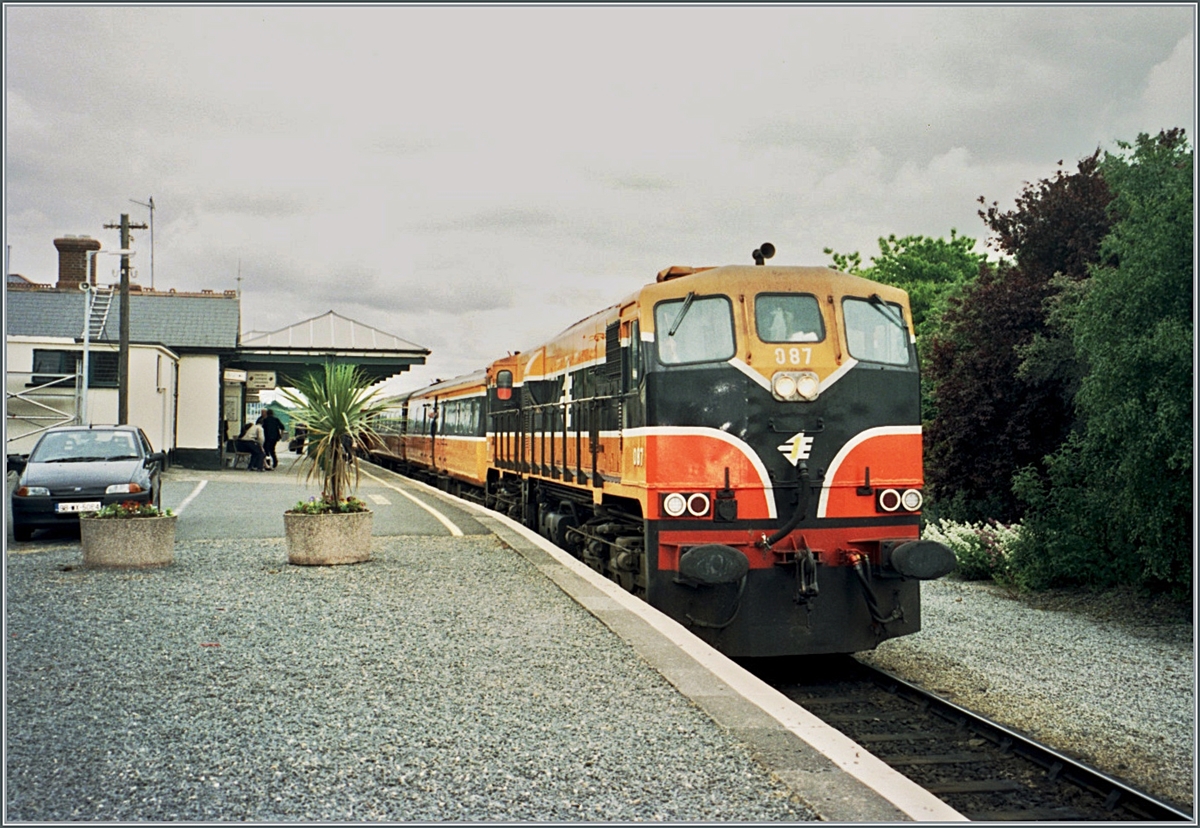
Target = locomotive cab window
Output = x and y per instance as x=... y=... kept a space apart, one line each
x=788 y=317
x=876 y=331
x=694 y=329
x=504 y=385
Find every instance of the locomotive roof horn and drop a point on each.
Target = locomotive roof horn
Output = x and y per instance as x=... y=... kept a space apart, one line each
x=766 y=251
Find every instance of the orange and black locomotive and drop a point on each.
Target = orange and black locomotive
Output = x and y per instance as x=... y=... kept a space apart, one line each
x=739 y=445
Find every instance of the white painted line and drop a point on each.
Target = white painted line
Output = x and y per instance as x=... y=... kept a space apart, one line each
x=445 y=521
x=380 y=499
x=852 y=758
x=199 y=488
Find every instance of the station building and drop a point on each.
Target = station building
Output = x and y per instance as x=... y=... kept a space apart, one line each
x=193 y=374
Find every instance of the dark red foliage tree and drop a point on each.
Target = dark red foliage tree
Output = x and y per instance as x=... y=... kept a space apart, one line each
x=992 y=418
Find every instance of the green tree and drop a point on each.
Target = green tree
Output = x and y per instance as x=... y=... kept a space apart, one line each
x=930 y=270
x=1115 y=502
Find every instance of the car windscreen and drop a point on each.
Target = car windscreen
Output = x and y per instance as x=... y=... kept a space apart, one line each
x=694 y=329
x=84 y=447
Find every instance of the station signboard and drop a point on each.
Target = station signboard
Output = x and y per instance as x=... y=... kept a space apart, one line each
x=260 y=380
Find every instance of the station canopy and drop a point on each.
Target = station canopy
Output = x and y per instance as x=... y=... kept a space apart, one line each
x=297 y=349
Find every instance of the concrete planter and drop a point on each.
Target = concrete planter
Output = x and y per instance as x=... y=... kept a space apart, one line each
x=327 y=540
x=127 y=542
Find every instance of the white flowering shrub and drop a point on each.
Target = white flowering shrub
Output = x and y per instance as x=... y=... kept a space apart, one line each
x=983 y=550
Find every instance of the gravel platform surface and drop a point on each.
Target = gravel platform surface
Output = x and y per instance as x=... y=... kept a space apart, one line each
x=446 y=680
x=1103 y=680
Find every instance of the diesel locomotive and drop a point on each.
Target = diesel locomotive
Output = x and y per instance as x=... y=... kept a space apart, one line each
x=740 y=446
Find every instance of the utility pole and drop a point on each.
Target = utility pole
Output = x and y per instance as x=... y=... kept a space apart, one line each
x=123 y=348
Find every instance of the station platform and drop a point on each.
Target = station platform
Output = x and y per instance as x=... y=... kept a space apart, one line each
x=456 y=680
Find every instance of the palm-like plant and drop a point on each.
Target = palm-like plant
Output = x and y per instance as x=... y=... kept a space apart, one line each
x=338 y=409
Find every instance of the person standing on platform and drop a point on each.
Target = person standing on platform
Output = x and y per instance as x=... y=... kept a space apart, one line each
x=273 y=430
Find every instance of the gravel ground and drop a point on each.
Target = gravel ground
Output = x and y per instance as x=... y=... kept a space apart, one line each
x=1103 y=678
x=446 y=680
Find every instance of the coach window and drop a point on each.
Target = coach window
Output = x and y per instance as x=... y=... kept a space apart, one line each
x=788 y=317
x=694 y=329
x=876 y=331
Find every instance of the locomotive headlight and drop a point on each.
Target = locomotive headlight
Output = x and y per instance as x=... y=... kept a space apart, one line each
x=675 y=504
x=784 y=386
x=808 y=386
x=911 y=500
x=698 y=504
x=889 y=500
x=791 y=386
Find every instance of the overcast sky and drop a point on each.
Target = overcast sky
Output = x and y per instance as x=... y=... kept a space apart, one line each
x=476 y=179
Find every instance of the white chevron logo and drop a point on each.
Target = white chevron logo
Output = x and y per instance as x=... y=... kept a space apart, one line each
x=798 y=448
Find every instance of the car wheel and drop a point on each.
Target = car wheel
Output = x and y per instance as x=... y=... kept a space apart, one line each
x=22 y=533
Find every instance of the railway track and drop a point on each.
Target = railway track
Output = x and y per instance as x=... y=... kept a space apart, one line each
x=980 y=768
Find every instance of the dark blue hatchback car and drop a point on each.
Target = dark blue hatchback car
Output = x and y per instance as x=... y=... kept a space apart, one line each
x=77 y=469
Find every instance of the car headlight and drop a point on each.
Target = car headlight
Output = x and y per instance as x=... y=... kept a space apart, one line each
x=33 y=491
x=796 y=385
x=124 y=488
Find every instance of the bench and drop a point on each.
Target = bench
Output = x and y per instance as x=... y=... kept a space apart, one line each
x=237 y=458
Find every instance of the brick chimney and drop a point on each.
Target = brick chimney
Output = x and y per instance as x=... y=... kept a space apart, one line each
x=73 y=261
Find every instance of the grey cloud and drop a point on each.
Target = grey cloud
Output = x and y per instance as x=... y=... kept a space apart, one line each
x=504 y=218
x=643 y=183
x=260 y=205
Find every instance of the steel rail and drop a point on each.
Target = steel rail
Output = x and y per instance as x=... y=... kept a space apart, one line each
x=1059 y=765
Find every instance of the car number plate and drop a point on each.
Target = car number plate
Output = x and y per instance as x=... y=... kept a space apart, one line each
x=89 y=506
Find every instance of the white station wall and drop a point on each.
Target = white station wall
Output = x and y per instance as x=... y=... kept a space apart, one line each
x=199 y=403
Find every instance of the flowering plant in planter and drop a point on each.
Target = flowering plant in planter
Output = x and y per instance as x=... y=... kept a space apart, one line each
x=131 y=509
x=339 y=409
x=128 y=534
x=312 y=506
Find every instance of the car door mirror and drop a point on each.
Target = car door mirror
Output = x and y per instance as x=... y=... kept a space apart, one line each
x=156 y=458
x=16 y=463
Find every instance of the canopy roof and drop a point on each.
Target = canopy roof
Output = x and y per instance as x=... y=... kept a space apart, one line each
x=332 y=338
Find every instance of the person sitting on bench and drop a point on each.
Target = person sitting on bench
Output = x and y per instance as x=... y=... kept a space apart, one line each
x=251 y=441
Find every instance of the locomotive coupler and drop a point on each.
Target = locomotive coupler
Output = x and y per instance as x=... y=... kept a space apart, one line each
x=806 y=576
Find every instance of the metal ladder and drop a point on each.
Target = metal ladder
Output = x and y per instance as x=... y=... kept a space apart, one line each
x=101 y=301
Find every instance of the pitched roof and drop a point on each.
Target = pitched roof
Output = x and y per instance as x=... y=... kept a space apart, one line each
x=331 y=331
x=178 y=321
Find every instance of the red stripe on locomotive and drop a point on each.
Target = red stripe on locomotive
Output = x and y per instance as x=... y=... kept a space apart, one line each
x=830 y=545
x=893 y=455
x=696 y=459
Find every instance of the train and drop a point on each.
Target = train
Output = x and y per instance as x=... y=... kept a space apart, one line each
x=740 y=446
